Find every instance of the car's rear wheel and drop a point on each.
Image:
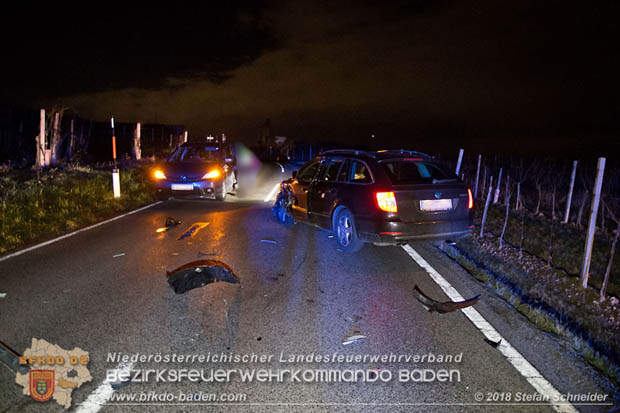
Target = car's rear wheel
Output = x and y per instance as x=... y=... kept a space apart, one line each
x=346 y=232
x=220 y=192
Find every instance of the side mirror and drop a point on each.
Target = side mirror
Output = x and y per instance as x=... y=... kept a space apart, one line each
x=294 y=174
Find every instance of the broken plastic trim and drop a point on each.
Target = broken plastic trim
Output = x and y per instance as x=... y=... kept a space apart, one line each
x=10 y=358
x=446 y=307
x=200 y=273
x=193 y=230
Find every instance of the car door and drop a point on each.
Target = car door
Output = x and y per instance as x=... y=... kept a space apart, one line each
x=324 y=192
x=300 y=187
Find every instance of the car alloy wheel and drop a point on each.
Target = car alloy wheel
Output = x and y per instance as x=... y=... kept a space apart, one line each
x=345 y=230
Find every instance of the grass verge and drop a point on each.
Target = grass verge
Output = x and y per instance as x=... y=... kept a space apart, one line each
x=36 y=206
x=549 y=298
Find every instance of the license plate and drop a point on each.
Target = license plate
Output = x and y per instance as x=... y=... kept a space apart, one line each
x=436 y=205
x=182 y=187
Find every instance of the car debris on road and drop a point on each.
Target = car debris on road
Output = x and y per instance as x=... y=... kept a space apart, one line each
x=193 y=230
x=172 y=222
x=200 y=273
x=493 y=343
x=446 y=307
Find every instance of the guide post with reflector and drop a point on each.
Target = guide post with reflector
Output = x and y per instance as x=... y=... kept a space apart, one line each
x=116 y=181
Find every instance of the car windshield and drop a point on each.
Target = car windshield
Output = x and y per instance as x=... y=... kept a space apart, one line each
x=408 y=172
x=195 y=154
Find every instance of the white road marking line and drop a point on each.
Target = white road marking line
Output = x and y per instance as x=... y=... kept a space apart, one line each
x=43 y=244
x=533 y=376
x=102 y=394
x=272 y=193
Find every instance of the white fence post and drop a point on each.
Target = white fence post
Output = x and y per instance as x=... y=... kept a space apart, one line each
x=596 y=197
x=499 y=182
x=570 y=192
x=458 y=164
x=41 y=141
x=137 y=151
x=477 y=177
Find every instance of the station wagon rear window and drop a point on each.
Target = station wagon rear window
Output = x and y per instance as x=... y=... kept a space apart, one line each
x=415 y=172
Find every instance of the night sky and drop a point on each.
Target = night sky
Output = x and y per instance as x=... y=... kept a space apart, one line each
x=515 y=75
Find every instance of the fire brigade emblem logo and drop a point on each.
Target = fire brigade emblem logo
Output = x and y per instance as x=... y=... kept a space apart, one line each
x=41 y=384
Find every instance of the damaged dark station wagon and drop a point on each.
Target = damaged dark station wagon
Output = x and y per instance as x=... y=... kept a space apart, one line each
x=386 y=197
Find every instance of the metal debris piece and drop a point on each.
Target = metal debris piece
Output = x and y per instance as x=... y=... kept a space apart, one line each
x=493 y=343
x=120 y=384
x=174 y=253
x=352 y=339
x=193 y=230
x=330 y=236
x=171 y=222
x=118 y=255
x=200 y=273
x=269 y=240
x=446 y=307
x=10 y=358
x=2 y=295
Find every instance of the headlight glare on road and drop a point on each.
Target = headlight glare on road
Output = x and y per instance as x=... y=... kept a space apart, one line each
x=212 y=174
x=159 y=174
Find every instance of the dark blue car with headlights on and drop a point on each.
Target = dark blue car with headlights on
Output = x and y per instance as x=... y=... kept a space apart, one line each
x=385 y=197
x=197 y=170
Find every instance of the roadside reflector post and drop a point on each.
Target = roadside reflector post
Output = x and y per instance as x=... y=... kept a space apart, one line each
x=185 y=137
x=570 y=192
x=116 y=181
x=458 y=163
x=596 y=197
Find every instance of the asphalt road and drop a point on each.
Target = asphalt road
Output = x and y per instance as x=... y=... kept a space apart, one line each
x=299 y=295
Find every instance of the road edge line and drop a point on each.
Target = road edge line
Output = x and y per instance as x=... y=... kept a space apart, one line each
x=520 y=363
x=43 y=244
x=98 y=398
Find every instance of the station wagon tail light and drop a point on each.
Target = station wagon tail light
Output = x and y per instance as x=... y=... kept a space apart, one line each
x=470 y=204
x=386 y=201
x=212 y=174
x=159 y=174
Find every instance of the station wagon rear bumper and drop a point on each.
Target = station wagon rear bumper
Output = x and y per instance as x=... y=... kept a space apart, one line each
x=395 y=232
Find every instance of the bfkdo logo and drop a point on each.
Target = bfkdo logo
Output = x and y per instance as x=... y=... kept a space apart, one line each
x=54 y=372
x=42 y=384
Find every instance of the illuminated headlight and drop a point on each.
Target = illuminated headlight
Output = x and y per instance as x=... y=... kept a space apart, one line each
x=159 y=174
x=212 y=174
